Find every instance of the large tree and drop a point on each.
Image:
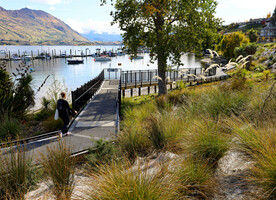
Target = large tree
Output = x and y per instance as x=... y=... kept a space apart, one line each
x=168 y=27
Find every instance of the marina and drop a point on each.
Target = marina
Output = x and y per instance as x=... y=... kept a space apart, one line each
x=72 y=76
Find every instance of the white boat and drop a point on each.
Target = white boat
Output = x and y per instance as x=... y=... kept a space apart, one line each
x=15 y=57
x=102 y=59
x=26 y=58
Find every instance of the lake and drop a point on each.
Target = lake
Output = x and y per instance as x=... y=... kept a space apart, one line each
x=73 y=76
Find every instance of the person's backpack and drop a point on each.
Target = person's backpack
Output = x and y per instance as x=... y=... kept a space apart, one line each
x=59 y=105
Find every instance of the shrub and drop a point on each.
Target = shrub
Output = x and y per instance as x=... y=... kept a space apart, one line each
x=10 y=128
x=15 y=173
x=230 y=42
x=120 y=182
x=253 y=35
x=60 y=166
x=246 y=49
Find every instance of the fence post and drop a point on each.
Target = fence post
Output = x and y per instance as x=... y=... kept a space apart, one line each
x=73 y=99
x=135 y=79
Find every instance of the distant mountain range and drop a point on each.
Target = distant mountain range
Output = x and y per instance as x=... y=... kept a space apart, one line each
x=28 y=27
x=104 y=37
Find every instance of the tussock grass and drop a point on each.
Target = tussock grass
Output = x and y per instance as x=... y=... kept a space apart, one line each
x=119 y=182
x=260 y=143
x=60 y=167
x=165 y=131
x=207 y=140
x=195 y=178
x=15 y=173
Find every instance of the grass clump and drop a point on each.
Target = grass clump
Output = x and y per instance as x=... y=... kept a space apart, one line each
x=165 y=130
x=60 y=167
x=15 y=173
x=195 y=178
x=259 y=141
x=207 y=141
x=120 y=182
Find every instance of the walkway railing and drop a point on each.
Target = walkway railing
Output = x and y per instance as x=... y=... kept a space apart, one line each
x=81 y=95
x=142 y=76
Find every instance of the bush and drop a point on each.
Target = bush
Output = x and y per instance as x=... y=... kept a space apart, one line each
x=246 y=49
x=230 y=42
x=10 y=128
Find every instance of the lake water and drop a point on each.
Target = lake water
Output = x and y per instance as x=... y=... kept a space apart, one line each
x=73 y=76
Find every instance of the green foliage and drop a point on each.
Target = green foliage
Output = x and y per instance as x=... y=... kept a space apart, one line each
x=15 y=173
x=168 y=28
x=229 y=42
x=10 y=128
x=60 y=166
x=246 y=49
x=253 y=35
x=45 y=103
x=16 y=97
x=101 y=153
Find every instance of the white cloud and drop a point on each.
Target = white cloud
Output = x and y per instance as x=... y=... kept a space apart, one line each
x=242 y=10
x=91 y=25
x=53 y=2
x=52 y=8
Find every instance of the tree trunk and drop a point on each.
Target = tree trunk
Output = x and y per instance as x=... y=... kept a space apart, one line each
x=162 y=65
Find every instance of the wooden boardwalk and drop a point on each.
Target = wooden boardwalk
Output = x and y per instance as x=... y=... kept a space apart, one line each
x=97 y=120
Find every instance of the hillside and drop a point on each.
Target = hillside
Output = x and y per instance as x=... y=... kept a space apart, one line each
x=26 y=26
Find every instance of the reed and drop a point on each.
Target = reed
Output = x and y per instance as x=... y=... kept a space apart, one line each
x=60 y=167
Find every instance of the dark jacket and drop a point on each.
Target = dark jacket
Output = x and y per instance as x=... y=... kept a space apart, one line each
x=64 y=109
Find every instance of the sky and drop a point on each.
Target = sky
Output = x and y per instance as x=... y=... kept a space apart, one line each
x=87 y=15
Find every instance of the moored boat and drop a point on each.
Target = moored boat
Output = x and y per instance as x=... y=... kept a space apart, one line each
x=102 y=59
x=75 y=61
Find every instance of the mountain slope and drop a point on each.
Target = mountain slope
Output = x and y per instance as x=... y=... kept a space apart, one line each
x=35 y=26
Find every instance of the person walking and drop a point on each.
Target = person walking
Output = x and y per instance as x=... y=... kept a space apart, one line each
x=64 y=110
